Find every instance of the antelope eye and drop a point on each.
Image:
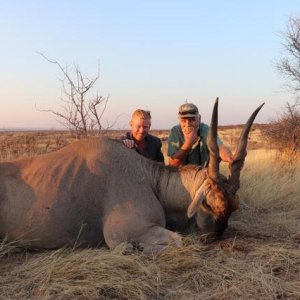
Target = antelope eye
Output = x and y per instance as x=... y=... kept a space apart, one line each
x=204 y=203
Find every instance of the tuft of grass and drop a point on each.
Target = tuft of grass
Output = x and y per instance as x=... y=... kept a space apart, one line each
x=8 y=247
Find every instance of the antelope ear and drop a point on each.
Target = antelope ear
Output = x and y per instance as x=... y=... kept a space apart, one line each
x=196 y=203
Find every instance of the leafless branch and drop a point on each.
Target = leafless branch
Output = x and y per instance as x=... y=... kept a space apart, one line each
x=81 y=112
x=289 y=65
x=284 y=131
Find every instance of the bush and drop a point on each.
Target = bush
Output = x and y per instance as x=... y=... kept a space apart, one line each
x=284 y=132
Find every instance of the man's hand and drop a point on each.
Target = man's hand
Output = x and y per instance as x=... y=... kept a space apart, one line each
x=129 y=143
x=190 y=137
x=225 y=154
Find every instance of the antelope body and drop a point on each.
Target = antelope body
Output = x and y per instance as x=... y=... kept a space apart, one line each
x=96 y=190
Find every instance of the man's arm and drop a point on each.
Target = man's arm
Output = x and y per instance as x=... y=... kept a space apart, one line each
x=177 y=159
x=190 y=137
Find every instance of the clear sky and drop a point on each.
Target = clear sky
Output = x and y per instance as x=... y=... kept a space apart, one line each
x=152 y=54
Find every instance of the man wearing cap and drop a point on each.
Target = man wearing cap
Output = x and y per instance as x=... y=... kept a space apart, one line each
x=187 y=141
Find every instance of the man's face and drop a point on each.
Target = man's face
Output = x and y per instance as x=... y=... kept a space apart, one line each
x=189 y=123
x=139 y=128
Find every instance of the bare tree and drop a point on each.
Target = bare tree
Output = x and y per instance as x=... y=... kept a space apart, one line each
x=284 y=132
x=289 y=65
x=81 y=111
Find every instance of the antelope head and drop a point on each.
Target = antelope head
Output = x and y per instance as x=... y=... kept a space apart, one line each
x=216 y=198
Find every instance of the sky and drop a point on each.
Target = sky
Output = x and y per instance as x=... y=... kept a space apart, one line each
x=153 y=55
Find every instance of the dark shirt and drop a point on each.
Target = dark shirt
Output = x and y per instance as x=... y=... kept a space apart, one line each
x=152 y=150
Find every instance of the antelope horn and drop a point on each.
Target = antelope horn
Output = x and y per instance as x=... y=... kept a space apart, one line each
x=214 y=159
x=240 y=154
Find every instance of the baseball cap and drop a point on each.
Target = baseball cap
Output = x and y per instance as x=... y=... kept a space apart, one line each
x=188 y=110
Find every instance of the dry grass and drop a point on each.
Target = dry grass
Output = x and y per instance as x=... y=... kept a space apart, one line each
x=28 y=143
x=259 y=257
x=25 y=144
x=231 y=134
